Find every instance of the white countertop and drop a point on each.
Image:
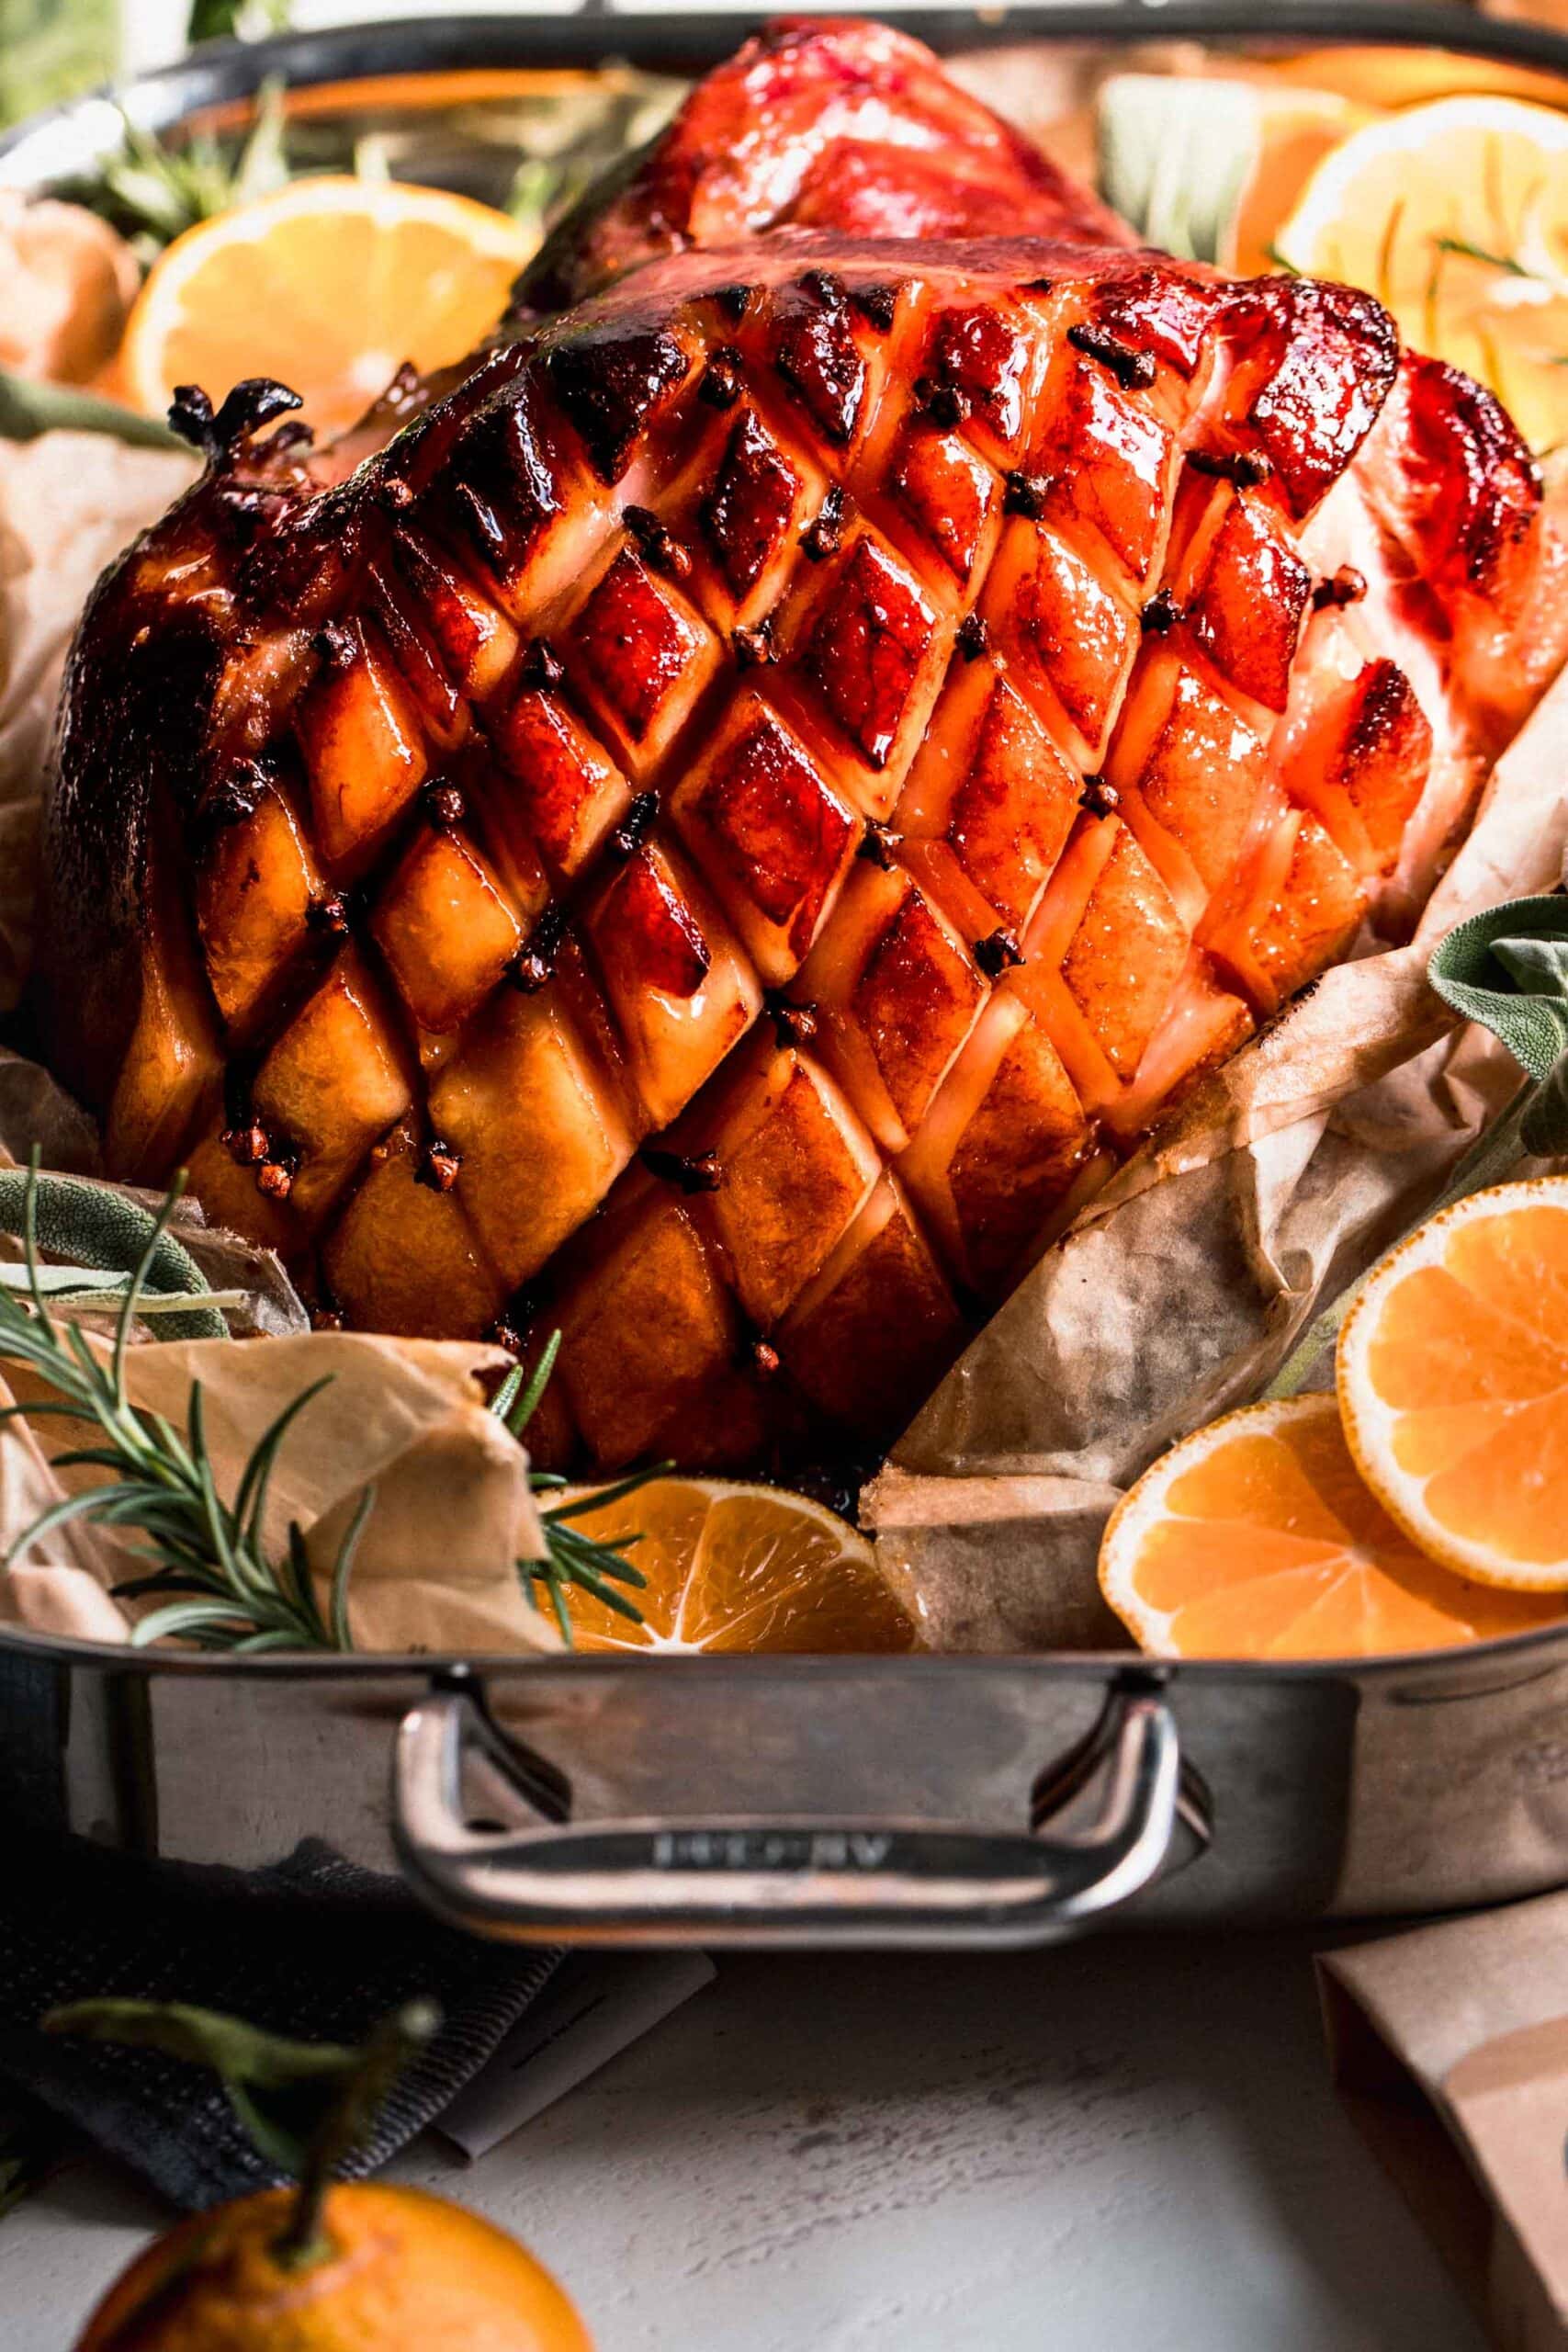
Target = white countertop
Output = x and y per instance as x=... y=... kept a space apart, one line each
x=1119 y=2144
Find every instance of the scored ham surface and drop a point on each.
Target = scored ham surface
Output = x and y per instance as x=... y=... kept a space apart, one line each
x=730 y=823
x=848 y=127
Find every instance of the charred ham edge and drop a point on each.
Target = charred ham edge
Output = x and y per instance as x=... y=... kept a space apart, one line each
x=740 y=871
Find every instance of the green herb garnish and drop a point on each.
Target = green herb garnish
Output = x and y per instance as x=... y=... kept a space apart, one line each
x=594 y=1567
x=1507 y=969
x=153 y=192
x=28 y=407
x=237 y=19
x=1509 y=263
x=222 y=1587
x=228 y=1591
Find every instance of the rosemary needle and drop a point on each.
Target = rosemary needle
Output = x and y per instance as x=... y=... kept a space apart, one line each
x=218 y=1584
x=220 y=1587
x=594 y=1565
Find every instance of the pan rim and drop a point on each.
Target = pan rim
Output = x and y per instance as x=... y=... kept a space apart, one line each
x=223 y=71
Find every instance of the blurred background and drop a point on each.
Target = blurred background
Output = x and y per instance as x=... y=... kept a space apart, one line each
x=55 y=48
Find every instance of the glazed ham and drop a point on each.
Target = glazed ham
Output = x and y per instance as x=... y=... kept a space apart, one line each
x=847 y=127
x=731 y=821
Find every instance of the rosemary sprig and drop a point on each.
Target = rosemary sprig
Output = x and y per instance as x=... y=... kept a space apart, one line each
x=221 y=1588
x=153 y=192
x=593 y=1565
x=1467 y=247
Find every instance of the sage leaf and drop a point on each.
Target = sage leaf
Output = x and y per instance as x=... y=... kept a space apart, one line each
x=1506 y=969
x=1543 y=1128
x=89 y=1291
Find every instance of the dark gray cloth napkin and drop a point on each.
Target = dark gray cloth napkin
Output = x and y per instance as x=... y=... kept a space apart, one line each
x=313 y=1947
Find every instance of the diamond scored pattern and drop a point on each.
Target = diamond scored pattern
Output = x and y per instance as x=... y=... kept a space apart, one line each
x=870 y=652
x=583 y=851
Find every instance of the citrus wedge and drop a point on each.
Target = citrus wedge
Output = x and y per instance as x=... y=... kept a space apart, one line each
x=739 y=1568
x=329 y=284
x=1453 y=1386
x=1256 y=1538
x=1456 y=216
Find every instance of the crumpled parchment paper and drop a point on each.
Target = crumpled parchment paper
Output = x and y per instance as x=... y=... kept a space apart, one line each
x=1180 y=1289
x=436 y=1566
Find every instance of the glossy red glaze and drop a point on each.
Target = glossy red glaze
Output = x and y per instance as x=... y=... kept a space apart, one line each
x=786 y=770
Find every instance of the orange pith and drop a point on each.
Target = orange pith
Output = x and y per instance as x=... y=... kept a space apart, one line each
x=1453 y=1383
x=330 y=284
x=1256 y=1538
x=739 y=1568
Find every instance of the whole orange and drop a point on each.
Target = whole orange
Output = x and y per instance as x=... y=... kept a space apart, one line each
x=401 y=2272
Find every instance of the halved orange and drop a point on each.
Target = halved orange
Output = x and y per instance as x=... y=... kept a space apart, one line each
x=1453 y=1386
x=329 y=284
x=1455 y=215
x=739 y=1568
x=1256 y=1538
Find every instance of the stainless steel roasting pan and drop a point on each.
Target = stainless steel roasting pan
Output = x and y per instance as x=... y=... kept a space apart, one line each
x=734 y=1800
x=921 y=1801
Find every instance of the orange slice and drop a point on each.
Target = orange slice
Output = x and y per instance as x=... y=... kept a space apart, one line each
x=330 y=284
x=1455 y=216
x=1453 y=1385
x=739 y=1568
x=1256 y=1538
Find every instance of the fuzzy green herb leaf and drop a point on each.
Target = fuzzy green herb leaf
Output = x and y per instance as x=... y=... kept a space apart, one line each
x=591 y=1563
x=1507 y=969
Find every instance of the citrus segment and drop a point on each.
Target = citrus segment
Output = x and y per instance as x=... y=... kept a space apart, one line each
x=739 y=1568
x=1456 y=216
x=1256 y=1538
x=330 y=284
x=1453 y=1384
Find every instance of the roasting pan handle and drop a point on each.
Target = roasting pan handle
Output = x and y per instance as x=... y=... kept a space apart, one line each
x=1101 y=1830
